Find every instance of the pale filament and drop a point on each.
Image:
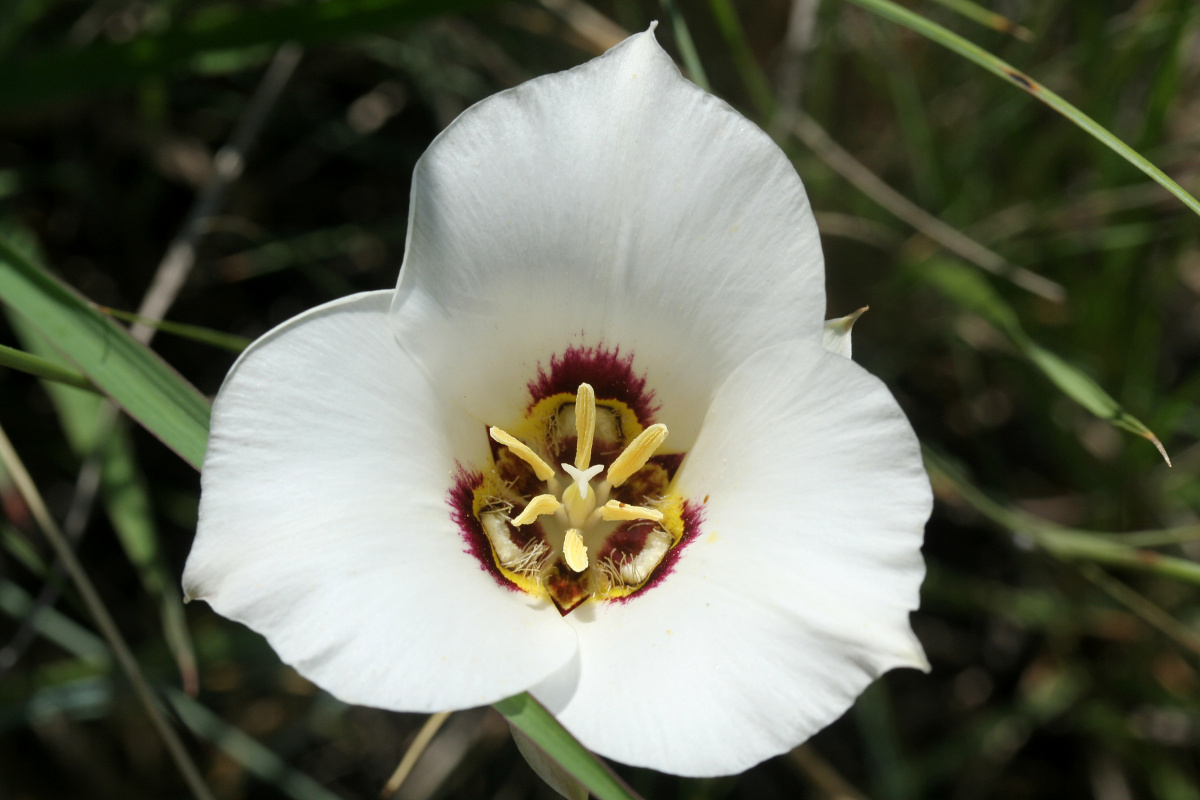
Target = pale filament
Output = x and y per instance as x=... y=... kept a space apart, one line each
x=585 y=425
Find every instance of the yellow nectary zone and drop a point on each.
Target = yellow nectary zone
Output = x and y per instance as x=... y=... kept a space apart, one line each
x=490 y=501
x=551 y=421
x=613 y=585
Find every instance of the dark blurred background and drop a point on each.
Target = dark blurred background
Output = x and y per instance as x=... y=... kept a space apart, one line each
x=1009 y=260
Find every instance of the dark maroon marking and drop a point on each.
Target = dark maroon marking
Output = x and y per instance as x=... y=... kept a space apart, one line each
x=693 y=518
x=461 y=499
x=670 y=462
x=624 y=544
x=567 y=588
x=610 y=374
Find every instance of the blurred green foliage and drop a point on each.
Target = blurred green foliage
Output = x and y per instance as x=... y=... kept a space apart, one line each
x=1060 y=612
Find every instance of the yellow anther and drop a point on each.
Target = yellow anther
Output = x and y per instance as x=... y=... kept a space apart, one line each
x=614 y=511
x=542 y=504
x=636 y=454
x=574 y=550
x=585 y=425
x=521 y=450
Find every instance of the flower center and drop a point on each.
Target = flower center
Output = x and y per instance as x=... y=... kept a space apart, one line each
x=598 y=527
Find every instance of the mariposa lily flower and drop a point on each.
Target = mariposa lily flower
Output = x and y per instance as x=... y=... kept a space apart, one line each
x=591 y=447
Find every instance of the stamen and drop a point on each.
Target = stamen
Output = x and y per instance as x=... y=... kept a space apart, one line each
x=585 y=425
x=636 y=454
x=542 y=504
x=521 y=450
x=574 y=550
x=615 y=510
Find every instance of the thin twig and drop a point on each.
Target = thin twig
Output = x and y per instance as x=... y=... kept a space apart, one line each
x=104 y=620
x=228 y=164
x=824 y=778
x=413 y=753
x=840 y=161
x=1143 y=607
x=789 y=81
x=597 y=30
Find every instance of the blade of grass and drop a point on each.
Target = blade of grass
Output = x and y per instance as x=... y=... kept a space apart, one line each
x=810 y=132
x=104 y=620
x=748 y=68
x=130 y=374
x=43 y=368
x=954 y=42
x=126 y=501
x=972 y=291
x=82 y=71
x=988 y=18
x=526 y=713
x=687 y=48
x=1065 y=544
x=258 y=759
x=225 y=341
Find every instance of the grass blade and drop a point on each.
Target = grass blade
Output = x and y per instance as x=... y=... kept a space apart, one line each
x=126 y=500
x=43 y=368
x=538 y=724
x=219 y=339
x=988 y=18
x=970 y=290
x=135 y=378
x=972 y=52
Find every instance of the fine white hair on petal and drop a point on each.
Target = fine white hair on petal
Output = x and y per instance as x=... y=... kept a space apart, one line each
x=615 y=204
x=325 y=524
x=794 y=595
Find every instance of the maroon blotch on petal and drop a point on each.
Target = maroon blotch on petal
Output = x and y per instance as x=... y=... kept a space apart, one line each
x=461 y=499
x=610 y=374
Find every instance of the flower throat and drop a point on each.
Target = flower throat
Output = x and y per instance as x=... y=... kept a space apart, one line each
x=577 y=505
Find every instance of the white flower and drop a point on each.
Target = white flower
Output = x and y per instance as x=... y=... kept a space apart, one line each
x=610 y=227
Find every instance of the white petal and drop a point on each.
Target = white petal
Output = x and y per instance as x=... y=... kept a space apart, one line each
x=615 y=203
x=792 y=599
x=325 y=526
x=836 y=336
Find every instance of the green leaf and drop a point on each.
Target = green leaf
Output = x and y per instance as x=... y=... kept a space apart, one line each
x=75 y=71
x=972 y=52
x=973 y=292
x=527 y=714
x=132 y=375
